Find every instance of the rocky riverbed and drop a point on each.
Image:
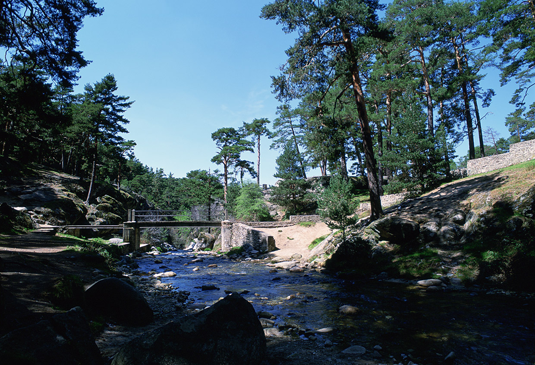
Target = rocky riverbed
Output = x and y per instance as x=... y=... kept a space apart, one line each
x=311 y=318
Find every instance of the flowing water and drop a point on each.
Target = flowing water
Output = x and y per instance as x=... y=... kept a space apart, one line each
x=408 y=323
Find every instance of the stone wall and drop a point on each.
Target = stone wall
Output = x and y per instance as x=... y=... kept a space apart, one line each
x=242 y=235
x=304 y=218
x=386 y=201
x=518 y=153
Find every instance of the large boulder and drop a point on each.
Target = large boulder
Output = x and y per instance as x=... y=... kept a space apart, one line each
x=12 y=219
x=119 y=301
x=394 y=229
x=65 y=339
x=228 y=332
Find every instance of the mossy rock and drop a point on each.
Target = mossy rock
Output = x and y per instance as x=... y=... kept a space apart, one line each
x=525 y=204
x=353 y=253
x=67 y=210
x=12 y=220
x=109 y=218
x=105 y=207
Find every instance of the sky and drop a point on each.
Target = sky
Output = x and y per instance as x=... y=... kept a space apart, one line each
x=193 y=67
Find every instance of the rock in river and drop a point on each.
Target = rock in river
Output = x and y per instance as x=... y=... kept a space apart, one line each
x=119 y=301
x=226 y=333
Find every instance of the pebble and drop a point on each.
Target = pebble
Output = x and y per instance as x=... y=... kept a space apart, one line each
x=196 y=268
x=355 y=350
x=264 y=314
x=167 y=274
x=429 y=282
x=272 y=332
x=348 y=310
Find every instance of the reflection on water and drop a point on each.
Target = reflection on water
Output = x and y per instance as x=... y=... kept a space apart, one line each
x=401 y=318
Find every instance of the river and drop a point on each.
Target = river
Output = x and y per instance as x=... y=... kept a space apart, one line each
x=398 y=321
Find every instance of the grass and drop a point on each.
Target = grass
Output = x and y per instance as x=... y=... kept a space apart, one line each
x=424 y=263
x=99 y=246
x=234 y=251
x=317 y=241
x=307 y=224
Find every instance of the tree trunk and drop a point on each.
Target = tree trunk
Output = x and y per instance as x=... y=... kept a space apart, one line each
x=430 y=126
x=258 y=165
x=343 y=165
x=297 y=149
x=373 y=183
x=478 y=121
x=467 y=114
x=388 y=126
x=93 y=173
x=225 y=186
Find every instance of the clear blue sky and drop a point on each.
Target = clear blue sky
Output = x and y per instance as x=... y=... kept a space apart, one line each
x=193 y=67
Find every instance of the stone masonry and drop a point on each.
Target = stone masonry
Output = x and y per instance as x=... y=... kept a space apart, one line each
x=239 y=235
x=518 y=153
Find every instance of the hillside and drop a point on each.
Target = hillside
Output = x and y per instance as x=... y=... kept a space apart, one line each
x=479 y=230
x=54 y=198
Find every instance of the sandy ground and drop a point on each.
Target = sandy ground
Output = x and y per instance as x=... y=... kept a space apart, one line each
x=295 y=239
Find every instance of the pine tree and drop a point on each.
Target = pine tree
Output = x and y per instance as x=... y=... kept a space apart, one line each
x=230 y=143
x=332 y=39
x=337 y=204
x=291 y=191
x=250 y=204
x=257 y=128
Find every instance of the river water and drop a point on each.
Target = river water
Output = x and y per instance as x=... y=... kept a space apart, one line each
x=407 y=322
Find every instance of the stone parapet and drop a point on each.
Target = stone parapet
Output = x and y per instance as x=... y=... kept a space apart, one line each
x=240 y=235
x=304 y=218
x=518 y=153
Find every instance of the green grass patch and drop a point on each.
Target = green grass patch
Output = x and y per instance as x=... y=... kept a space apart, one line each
x=529 y=165
x=99 y=246
x=235 y=251
x=307 y=224
x=317 y=241
x=424 y=263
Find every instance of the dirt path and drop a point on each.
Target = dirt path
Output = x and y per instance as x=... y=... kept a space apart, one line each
x=295 y=239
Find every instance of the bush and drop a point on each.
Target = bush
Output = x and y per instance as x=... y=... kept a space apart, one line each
x=250 y=205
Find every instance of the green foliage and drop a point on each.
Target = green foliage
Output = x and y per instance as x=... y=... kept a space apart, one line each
x=230 y=144
x=109 y=252
x=235 y=251
x=317 y=241
x=509 y=23
x=250 y=205
x=67 y=292
x=291 y=192
x=257 y=128
x=337 y=204
x=424 y=263
x=43 y=34
x=413 y=155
